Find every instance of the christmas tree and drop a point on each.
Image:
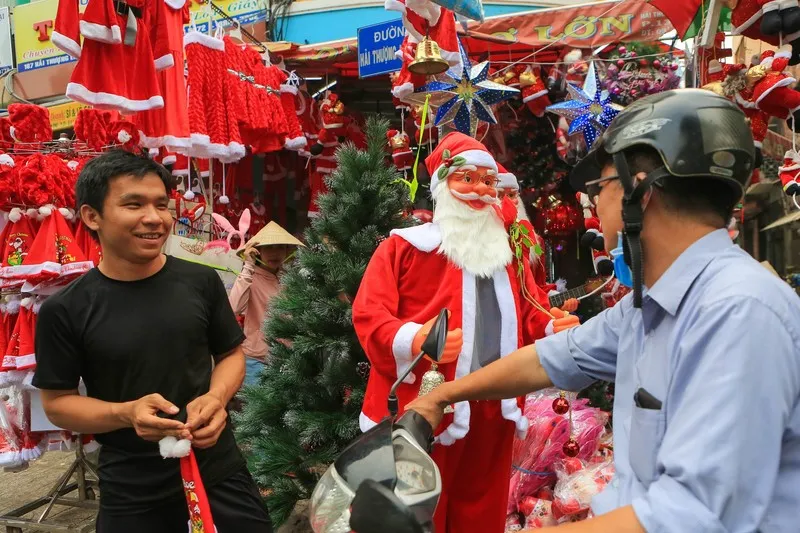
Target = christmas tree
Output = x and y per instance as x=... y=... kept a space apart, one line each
x=306 y=406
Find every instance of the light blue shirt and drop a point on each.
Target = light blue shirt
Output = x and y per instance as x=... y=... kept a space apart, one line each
x=717 y=341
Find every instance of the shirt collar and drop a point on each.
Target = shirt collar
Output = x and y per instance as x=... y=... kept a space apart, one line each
x=673 y=285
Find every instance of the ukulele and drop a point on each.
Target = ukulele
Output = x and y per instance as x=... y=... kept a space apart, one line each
x=557 y=300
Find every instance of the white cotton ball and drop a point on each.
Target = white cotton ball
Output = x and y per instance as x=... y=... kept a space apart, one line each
x=73 y=164
x=45 y=210
x=6 y=160
x=224 y=200
x=182 y=448
x=15 y=215
x=123 y=136
x=26 y=302
x=32 y=213
x=66 y=213
x=188 y=195
x=166 y=446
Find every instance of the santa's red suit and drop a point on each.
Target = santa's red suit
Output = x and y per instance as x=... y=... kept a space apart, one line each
x=423 y=18
x=772 y=87
x=534 y=92
x=407 y=283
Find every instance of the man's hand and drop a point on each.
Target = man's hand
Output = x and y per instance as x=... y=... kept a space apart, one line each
x=570 y=306
x=563 y=320
x=431 y=407
x=452 y=345
x=205 y=419
x=142 y=415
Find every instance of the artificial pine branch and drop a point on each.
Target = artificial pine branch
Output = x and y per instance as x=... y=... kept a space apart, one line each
x=305 y=409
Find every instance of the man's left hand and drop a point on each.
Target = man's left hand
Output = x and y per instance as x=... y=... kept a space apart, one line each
x=205 y=418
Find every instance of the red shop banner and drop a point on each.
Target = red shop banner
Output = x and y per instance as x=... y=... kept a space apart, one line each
x=582 y=26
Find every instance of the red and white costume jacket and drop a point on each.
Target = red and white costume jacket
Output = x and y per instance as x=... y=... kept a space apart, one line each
x=406 y=284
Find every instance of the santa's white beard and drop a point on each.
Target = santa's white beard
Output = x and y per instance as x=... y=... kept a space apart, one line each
x=474 y=240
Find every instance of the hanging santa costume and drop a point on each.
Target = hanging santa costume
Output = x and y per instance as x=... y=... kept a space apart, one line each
x=534 y=92
x=409 y=280
x=116 y=40
x=423 y=18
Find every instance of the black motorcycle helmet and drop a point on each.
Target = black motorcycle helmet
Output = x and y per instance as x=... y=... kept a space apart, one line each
x=697 y=134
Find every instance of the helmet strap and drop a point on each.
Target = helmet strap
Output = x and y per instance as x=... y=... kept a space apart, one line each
x=632 y=219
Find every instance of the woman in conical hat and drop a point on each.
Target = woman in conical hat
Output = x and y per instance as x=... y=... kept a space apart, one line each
x=264 y=255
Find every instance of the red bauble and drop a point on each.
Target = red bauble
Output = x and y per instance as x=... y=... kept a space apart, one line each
x=571 y=448
x=527 y=505
x=656 y=63
x=620 y=63
x=561 y=405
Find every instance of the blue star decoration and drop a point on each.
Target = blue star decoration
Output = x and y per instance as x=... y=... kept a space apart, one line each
x=590 y=110
x=464 y=95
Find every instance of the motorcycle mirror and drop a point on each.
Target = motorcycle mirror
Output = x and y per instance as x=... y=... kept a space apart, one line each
x=376 y=509
x=433 y=346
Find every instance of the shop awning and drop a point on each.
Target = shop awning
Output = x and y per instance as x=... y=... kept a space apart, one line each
x=513 y=37
x=785 y=219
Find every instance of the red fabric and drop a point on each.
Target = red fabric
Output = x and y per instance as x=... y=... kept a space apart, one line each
x=680 y=14
x=475 y=474
x=115 y=76
x=200 y=519
x=403 y=285
x=67 y=34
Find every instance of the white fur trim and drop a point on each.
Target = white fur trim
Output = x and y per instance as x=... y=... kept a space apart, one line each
x=169 y=159
x=784 y=51
x=788 y=4
x=365 y=423
x=65 y=44
x=66 y=213
x=295 y=143
x=714 y=66
x=195 y=37
x=6 y=160
x=15 y=215
x=477 y=158
x=394 y=5
x=103 y=34
x=291 y=89
x=403 y=90
x=774 y=5
x=755 y=17
x=744 y=103
x=401 y=348
x=164 y=62
x=46 y=210
x=757 y=144
x=534 y=96
x=100 y=100
x=24 y=362
x=426 y=237
x=785 y=82
x=507 y=181
x=175 y=4
x=170 y=142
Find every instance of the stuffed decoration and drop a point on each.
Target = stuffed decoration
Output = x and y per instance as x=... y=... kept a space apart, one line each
x=772 y=86
x=577 y=67
x=534 y=92
x=200 y=519
x=593 y=238
x=29 y=123
x=511 y=77
x=405 y=82
x=765 y=20
x=402 y=155
x=333 y=123
x=422 y=18
x=789 y=173
x=430 y=134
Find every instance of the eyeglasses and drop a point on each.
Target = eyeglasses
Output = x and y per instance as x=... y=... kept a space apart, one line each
x=473 y=177
x=593 y=187
x=512 y=194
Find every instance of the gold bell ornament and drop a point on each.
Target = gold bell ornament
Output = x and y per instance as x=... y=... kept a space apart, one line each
x=428 y=60
x=432 y=379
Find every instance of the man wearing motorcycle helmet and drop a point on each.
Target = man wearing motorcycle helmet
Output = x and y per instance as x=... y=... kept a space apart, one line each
x=703 y=352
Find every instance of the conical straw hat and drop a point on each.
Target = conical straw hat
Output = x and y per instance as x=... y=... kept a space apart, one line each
x=270 y=234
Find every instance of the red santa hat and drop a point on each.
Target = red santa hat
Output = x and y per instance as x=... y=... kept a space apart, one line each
x=457 y=151
x=200 y=518
x=18 y=237
x=26 y=322
x=89 y=245
x=30 y=123
x=507 y=179
x=6 y=140
x=91 y=127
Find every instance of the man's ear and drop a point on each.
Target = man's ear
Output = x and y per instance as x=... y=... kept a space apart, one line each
x=648 y=194
x=90 y=217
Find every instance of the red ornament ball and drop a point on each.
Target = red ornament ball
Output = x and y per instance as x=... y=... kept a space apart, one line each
x=656 y=63
x=571 y=448
x=620 y=63
x=643 y=62
x=622 y=49
x=560 y=405
x=673 y=66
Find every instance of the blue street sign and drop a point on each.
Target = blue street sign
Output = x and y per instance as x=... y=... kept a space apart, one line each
x=377 y=45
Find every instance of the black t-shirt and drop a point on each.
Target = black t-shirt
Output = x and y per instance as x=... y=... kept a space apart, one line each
x=130 y=339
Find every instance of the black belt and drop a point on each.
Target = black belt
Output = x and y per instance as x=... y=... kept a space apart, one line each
x=122 y=9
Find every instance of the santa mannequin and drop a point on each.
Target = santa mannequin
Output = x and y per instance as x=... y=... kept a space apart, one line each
x=462 y=262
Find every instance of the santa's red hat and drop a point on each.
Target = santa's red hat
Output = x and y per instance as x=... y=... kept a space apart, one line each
x=124 y=134
x=457 y=151
x=8 y=183
x=37 y=180
x=89 y=245
x=26 y=322
x=30 y=123
x=18 y=237
x=91 y=127
x=10 y=310
x=54 y=253
x=507 y=179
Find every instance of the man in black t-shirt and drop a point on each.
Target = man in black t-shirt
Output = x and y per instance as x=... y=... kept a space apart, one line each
x=159 y=349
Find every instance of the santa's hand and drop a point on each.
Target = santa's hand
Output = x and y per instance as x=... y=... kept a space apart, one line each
x=563 y=320
x=570 y=306
x=452 y=344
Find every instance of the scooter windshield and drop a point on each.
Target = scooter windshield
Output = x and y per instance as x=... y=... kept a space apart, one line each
x=371 y=456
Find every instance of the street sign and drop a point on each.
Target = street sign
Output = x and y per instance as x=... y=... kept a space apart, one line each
x=377 y=45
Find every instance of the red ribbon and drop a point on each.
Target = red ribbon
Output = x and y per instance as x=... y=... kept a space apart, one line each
x=200 y=520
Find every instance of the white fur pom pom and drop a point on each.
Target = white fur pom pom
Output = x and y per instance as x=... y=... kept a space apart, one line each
x=123 y=136
x=12 y=131
x=188 y=195
x=32 y=213
x=12 y=307
x=6 y=160
x=46 y=210
x=15 y=215
x=561 y=284
x=170 y=447
x=224 y=200
x=66 y=213
x=73 y=164
x=26 y=302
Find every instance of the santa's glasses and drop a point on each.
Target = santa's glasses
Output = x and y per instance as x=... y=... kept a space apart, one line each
x=473 y=177
x=511 y=194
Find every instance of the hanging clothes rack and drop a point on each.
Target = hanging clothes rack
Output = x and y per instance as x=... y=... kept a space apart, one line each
x=249 y=36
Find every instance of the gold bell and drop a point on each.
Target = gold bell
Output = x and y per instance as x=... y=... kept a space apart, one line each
x=428 y=60
x=430 y=380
